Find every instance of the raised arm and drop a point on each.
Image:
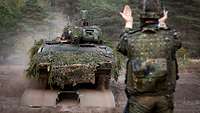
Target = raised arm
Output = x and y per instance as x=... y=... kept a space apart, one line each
x=162 y=20
x=127 y=16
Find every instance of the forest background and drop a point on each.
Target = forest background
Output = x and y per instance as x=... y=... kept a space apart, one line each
x=184 y=16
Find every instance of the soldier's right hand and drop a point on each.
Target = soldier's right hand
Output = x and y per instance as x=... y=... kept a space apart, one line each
x=162 y=20
x=127 y=16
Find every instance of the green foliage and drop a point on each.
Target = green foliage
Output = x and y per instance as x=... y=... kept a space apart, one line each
x=9 y=13
x=119 y=58
x=33 y=69
x=71 y=74
x=33 y=64
x=33 y=10
x=12 y=12
x=183 y=56
x=35 y=48
x=86 y=63
x=105 y=13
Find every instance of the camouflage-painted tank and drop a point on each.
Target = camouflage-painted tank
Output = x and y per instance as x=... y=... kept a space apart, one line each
x=79 y=56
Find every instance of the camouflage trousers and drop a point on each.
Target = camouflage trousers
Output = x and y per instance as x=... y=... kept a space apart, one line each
x=149 y=104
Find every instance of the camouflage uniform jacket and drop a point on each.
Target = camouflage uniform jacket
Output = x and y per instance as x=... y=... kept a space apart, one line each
x=151 y=66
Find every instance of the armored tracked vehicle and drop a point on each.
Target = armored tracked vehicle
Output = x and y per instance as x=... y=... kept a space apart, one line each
x=76 y=66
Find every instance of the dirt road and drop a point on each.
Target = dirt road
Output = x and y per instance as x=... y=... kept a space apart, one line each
x=187 y=98
x=12 y=85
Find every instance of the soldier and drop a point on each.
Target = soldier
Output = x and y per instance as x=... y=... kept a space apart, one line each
x=66 y=35
x=151 y=66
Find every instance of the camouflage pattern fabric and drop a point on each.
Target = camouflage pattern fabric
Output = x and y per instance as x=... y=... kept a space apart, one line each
x=150 y=104
x=151 y=68
x=72 y=74
x=66 y=67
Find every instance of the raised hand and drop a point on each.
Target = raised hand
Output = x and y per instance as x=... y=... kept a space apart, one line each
x=162 y=20
x=127 y=16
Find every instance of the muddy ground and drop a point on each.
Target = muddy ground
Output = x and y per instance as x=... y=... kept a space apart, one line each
x=14 y=59
x=13 y=83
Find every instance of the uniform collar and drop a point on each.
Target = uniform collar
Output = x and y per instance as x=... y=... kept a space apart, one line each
x=150 y=28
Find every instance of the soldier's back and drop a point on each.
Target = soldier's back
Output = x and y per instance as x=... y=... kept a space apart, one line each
x=150 y=54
